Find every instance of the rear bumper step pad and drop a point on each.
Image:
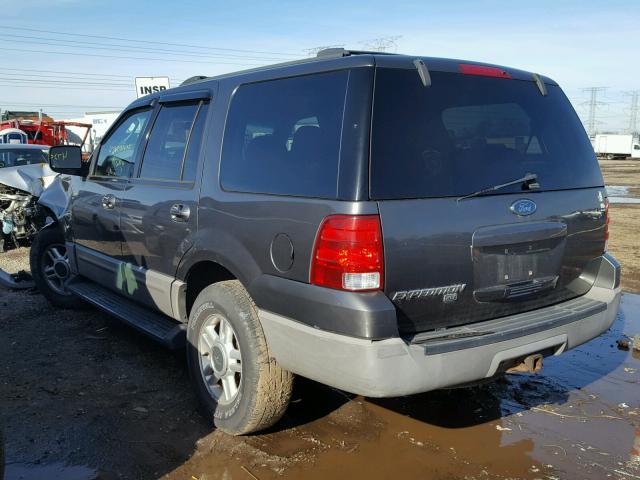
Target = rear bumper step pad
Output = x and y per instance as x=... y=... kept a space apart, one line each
x=507 y=328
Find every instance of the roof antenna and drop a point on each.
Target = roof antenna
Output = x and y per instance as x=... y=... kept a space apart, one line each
x=540 y=83
x=423 y=71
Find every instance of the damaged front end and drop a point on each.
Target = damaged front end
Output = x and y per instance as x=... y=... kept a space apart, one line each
x=21 y=217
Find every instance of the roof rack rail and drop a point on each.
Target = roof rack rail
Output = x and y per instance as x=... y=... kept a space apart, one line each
x=194 y=79
x=342 y=52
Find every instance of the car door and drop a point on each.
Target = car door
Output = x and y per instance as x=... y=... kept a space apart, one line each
x=159 y=203
x=95 y=206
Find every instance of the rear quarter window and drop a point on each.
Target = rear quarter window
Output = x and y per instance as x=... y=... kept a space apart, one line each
x=283 y=136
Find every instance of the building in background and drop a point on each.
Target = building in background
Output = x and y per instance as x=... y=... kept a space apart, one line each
x=100 y=122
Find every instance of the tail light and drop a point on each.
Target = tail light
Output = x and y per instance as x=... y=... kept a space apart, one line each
x=483 y=71
x=606 y=224
x=348 y=253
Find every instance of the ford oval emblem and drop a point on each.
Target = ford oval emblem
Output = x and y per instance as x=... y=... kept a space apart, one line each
x=523 y=207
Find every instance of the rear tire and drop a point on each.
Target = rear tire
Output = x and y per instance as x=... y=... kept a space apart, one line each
x=50 y=268
x=241 y=389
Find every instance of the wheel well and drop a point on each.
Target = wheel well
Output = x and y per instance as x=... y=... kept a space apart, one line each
x=200 y=276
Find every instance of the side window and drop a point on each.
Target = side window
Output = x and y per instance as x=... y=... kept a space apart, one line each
x=283 y=136
x=168 y=142
x=193 y=150
x=118 y=152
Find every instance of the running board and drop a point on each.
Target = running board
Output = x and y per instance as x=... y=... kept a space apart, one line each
x=159 y=327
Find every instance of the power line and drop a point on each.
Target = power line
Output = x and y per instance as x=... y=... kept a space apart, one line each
x=103 y=75
x=74 y=75
x=131 y=49
x=58 y=105
x=63 y=87
x=312 y=52
x=122 y=39
x=61 y=78
x=48 y=52
x=382 y=44
x=35 y=83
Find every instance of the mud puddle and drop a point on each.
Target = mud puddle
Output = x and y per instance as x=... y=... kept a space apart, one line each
x=623 y=194
x=578 y=418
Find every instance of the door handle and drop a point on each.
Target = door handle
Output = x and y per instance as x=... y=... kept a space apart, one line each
x=180 y=212
x=108 y=202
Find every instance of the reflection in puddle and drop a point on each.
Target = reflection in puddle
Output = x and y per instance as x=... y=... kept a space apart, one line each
x=29 y=471
x=623 y=194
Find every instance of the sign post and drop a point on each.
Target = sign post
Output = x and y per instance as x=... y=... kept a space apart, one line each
x=148 y=85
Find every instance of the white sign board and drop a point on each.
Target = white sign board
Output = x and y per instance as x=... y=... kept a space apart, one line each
x=148 y=85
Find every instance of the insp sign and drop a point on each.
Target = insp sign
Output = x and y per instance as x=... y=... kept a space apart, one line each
x=149 y=85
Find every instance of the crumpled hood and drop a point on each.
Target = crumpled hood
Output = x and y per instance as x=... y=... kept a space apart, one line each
x=32 y=179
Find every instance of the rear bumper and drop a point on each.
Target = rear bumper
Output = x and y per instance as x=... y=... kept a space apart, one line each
x=394 y=367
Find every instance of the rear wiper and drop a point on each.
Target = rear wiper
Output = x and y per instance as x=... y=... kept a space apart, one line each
x=529 y=181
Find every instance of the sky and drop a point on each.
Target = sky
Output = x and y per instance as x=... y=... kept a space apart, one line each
x=72 y=56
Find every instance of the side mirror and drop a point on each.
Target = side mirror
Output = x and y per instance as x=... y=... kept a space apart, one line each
x=67 y=159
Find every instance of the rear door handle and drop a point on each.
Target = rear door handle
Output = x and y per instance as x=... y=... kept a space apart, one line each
x=180 y=212
x=108 y=202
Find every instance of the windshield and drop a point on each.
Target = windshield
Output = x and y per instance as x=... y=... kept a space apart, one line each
x=14 y=157
x=466 y=133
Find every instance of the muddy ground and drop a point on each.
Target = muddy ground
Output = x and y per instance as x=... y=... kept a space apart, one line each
x=621 y=172
x=84 y=397
x=624 y=240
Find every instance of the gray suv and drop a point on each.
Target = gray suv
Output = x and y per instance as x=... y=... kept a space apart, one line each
x=384 y=224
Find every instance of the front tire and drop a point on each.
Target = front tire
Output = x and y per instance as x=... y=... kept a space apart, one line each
x=240 y=388
x=50 y=267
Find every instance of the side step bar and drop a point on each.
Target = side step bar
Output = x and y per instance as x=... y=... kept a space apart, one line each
x=161 y=328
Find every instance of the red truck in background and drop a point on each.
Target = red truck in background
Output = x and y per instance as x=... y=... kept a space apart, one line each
x=47 y=132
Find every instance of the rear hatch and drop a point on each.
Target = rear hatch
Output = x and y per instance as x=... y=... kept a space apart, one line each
x=450 y=260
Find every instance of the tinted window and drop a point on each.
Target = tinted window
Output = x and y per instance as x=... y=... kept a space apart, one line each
x=283 y=136
x=118 y=153
x=168 y=142
x=14 y=157
x=195 y=140
x=466 y=133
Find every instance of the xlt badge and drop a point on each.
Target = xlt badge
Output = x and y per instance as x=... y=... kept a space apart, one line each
x=449 y=293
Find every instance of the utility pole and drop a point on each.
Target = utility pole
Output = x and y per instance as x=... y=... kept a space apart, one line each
x=593 y=107
x=634 y=110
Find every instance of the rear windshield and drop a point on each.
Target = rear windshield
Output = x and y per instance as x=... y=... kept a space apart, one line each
x=465 y=133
